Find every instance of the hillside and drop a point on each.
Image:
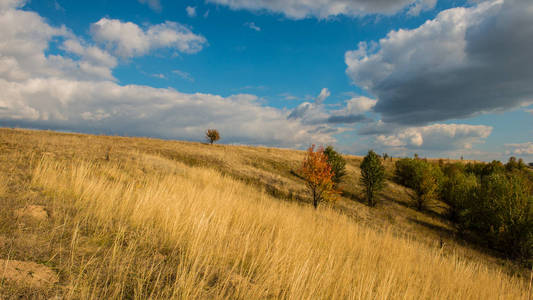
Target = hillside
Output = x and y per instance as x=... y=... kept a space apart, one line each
x=112 y=217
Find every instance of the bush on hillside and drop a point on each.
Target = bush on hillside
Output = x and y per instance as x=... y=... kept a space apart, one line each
x=372 y=176
x=495 y=202
x=503 y=213
x=337 y=164
x=318 y=175
x=483 y=169
x=458 y=191
x=492 y=200
x=212 y=135
x=421 y=176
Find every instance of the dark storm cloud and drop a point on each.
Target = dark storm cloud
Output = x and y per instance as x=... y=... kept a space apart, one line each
x=465 y=62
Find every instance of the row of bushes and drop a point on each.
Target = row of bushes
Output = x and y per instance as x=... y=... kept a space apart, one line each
x=494 y=201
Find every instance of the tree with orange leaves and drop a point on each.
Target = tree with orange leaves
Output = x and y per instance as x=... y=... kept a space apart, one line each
x=318 y=175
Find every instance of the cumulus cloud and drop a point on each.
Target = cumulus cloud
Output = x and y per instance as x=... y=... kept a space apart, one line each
x=10 y=4
x=301 y=110
x=359 y=105
x=438 y=137
x=55 y=92
x=525 y=149
x=191 y=11
x=299 y=9
x=144 y=111
x=324 y=94
x=127 y=39
x=316 y=113
x=464 y=62
x=312 y=113
x=93 y=55
x=353 y=112
x=25 y=38
x=155 y=5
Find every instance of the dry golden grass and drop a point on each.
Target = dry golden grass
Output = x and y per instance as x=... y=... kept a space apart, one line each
x=165 y=220
x=217 y=237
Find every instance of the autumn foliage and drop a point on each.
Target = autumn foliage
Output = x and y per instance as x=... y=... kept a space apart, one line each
x=318 y=175
x=212 y=135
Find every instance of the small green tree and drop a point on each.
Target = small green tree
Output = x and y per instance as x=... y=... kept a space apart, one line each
x=337 y=164
x=459 y=192
x=372 y=176
x=425 y=185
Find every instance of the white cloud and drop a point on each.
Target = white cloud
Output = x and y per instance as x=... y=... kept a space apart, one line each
x=299 y=9
x=353 y=112
x=145 y=111
x=525 y=149
x=128 y=40
x=191 y=11
x=10 y=4
x=288 y=96
x=312 y=113
x=252 y=26
x=324 y=94
x=183 y=75
x=91 y=54
x=359 y=105
x=159 y=75
x=55 y=92
x=316 y=113
x=419 y=6
x=155 y=5
x=464 y=62
x=437 y=137
x=25 y=38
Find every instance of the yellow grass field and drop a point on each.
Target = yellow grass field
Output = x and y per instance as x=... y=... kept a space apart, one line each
x=134 y=218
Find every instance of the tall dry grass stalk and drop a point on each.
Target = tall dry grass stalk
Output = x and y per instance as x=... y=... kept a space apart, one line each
x=153 y=228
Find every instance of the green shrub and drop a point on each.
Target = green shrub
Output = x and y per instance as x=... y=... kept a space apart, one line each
x=458 y=191
x=493 y=200
x=421 y=176
x=337 y=164
x=503 y=213
x=484 y=169
x=372 y=176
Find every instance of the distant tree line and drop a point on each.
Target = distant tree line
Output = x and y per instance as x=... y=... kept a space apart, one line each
x=491 y=200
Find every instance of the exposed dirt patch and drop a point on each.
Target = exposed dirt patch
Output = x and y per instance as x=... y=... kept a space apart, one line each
x=27 y=273
x=36 y=212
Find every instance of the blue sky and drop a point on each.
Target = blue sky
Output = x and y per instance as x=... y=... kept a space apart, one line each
x=403 y=77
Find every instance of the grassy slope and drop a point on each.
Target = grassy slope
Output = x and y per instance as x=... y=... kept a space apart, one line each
x=179 y=219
